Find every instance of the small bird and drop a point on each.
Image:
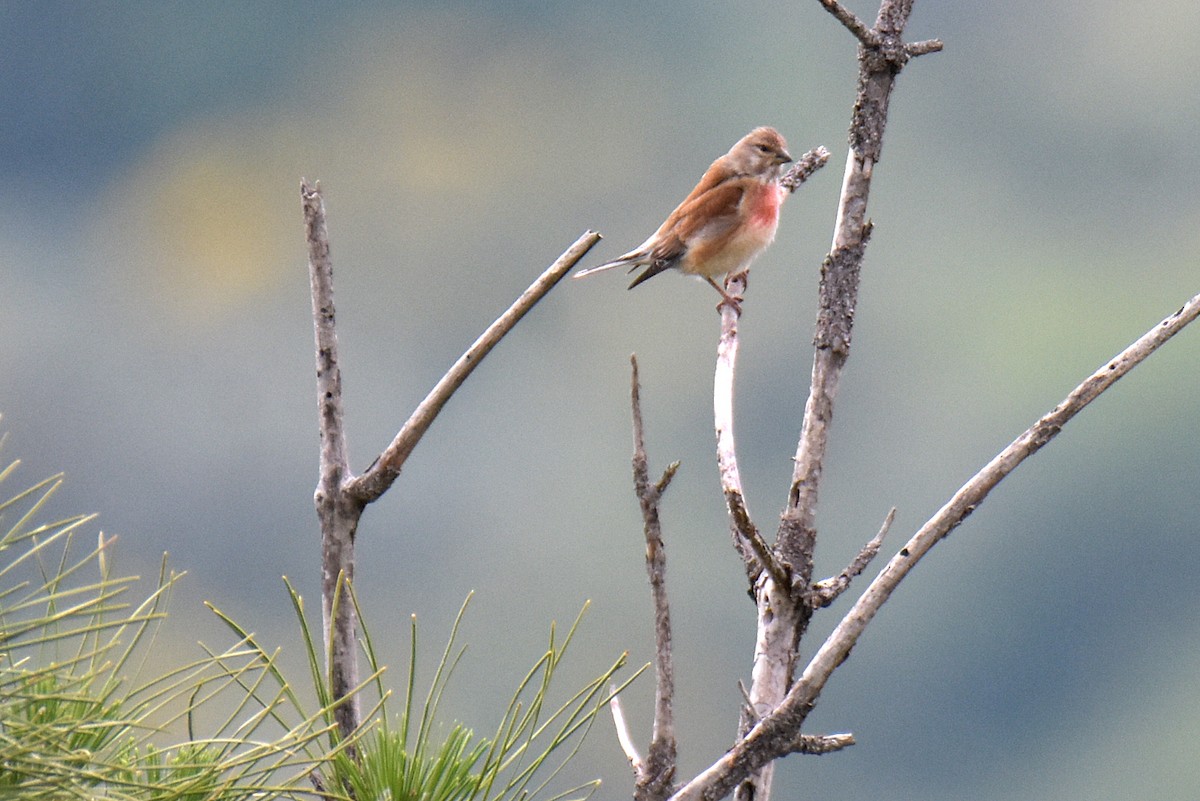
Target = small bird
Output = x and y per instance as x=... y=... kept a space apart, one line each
x=727 y=220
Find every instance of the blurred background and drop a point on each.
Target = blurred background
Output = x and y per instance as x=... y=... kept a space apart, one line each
x=1035 y=209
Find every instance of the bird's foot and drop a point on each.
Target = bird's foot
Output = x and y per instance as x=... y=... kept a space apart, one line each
x=733 y=301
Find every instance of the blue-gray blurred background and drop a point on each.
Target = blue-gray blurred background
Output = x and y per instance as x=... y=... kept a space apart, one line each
x=1036 y=210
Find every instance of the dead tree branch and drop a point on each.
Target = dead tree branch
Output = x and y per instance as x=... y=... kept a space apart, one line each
x=776 y=734
x=804 y=167
x=784 y=591
x=881 y=57
x=755 y=553
x=338 y=514
x=376 y=480
x=340 y=497
x=653 y=777
x=827 y=591
x=779 y=609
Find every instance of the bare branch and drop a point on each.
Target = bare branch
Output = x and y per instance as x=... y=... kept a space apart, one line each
x=827 y=591
x=881 y=57
x=818 y=744
x=776 y=733
x=970 y=495
x=749 y=543
x=655 y=776
x=781 y=611
x=624 y=738
x=804 y=167
x=376 y=480
x=784 y=611
x=853 y=24
x=334 y=458
x=338 y=519
x=340 y=497
x=923 y=48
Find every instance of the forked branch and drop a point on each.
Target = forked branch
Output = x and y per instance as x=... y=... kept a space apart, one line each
x=340 y=496
x=775 y=735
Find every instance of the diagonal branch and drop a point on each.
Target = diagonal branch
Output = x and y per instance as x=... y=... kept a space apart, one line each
x=775 y=734
x=376 y=480
x=827 y=591
x=970 y=495
x=804 y=167
x=853 y=24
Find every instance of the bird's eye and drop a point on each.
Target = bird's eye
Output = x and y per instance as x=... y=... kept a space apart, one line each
x=763 y=149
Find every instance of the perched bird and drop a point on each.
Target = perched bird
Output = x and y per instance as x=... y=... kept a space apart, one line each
x=727 y=220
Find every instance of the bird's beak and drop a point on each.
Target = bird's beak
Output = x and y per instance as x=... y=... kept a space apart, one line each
x=783 y=157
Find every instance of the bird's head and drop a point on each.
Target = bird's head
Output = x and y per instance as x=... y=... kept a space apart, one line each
x=760 y=153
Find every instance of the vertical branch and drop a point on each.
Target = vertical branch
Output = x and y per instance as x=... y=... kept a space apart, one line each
x=783 y=587
x=881 y=56
x=780 y=610
x=338 y=514
x=755 y=553
x=655 y=776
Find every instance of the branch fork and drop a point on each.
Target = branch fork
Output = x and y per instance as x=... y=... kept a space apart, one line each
x=340 y=496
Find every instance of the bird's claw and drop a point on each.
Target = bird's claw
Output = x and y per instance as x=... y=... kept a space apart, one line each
x=734 y=302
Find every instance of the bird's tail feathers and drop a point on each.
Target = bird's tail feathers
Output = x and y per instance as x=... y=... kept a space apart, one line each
x=630 y=260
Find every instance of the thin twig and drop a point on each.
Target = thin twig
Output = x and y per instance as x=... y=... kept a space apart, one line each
x=804 y=167
x=818 y=744
x=827 y=591
x=376 y=480
x=654 y=778
x=624 y=738
x=775 y=734
x=923 y=48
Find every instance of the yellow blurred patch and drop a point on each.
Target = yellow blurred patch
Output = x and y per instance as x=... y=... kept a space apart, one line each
x=197 y=227
x=207 y=222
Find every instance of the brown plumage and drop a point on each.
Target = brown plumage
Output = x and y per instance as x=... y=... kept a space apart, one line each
x=727 y=220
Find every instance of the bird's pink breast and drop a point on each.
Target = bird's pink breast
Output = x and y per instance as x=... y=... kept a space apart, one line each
x=735 y=248
x=764 y=204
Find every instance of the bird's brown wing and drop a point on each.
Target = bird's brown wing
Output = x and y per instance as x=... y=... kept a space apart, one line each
x=709 y=214
x=713 y=212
